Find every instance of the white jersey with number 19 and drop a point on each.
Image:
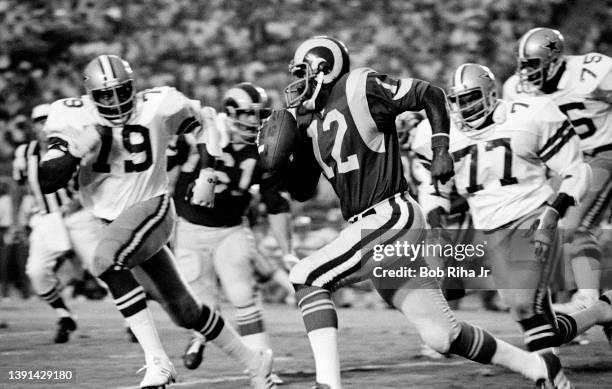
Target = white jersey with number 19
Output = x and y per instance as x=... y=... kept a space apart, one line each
x=130 y=164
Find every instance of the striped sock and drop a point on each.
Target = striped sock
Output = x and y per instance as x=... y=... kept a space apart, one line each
x=474 y=343
x=128 y=295
x=130 y=299
x=318 y=309
x=538 y=333
x=250 y=326
x=210 y=323
x=55 y=300
x=249 y=320
x=321 y=322
x=478 y=345
x=568 y=328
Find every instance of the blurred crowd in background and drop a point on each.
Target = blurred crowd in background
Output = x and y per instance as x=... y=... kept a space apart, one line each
x=204 y=46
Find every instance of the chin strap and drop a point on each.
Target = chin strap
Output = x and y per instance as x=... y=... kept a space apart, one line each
x=310 y=103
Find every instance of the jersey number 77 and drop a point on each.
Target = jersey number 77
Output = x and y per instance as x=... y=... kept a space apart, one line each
x=472 y=151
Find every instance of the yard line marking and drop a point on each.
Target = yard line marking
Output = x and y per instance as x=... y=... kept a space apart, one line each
x=16 y=352
x=89 y=331
x=288 y=373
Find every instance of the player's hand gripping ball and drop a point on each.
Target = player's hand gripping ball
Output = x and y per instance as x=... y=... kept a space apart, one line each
x=276 y=139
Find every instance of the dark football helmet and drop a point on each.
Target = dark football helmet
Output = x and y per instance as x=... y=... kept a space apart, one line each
x=318 y=63
x=247 y=106
x=110 y=84
x=472 y=95
x=540 y=55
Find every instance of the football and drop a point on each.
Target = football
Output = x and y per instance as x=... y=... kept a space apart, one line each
x=276 y=139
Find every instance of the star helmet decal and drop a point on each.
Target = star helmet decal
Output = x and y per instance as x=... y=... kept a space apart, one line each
x=551 y=46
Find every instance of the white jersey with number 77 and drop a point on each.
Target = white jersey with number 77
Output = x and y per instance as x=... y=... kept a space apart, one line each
x=501 y=169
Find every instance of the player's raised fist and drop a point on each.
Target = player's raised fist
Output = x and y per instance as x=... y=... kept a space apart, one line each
x=277 y=138
x=441 y=165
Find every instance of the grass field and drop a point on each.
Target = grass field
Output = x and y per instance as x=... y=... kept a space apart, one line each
x=378 y=351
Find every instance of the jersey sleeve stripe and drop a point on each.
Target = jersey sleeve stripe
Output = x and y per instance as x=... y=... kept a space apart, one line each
x=405 y=84
x=188 y=125
x=360 y=110
x=558 y=146
x=559 y=134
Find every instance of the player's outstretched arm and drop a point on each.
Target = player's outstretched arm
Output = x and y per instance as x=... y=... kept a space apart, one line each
x=436 y=109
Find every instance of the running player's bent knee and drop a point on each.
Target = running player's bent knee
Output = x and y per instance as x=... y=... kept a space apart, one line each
x=101 y=263
x=37 y=276
x=436 y=336
x=585 y=244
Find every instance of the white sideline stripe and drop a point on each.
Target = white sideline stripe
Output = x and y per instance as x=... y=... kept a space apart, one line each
x=41 y=332
x=290 y=372
x=16 y=352
x=507 y=335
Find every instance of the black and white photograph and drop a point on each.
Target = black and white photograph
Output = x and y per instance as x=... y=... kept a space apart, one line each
x=323 y=194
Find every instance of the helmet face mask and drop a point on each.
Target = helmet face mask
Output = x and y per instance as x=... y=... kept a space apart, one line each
x=115 y=102
x=301 y=89
x=247 y=107
x=318 y=63
x=110 y=85
x=473 y=95
x=540 y=55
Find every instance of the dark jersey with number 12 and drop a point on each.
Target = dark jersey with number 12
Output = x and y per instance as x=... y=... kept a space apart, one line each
x=355 y=140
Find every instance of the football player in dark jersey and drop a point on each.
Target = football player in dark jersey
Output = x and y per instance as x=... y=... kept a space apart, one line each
x=216 y=242
x=345 y=128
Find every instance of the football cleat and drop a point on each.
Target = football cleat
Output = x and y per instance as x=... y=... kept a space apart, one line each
x=321 y=386
x=65 y=326
x=580 y=301
x=261 y=372
x=159 y=372
x=556 y=378
x=194 y=352
x=426 y=351
x=607 y=328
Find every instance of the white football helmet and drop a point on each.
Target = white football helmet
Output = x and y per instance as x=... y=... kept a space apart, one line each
x=110 y=84
x=472 y=95
x=540 y=55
